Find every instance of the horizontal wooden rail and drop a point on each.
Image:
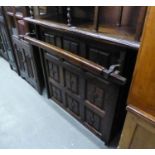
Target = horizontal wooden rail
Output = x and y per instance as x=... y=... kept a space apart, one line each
x=85 y=33
x=77 y=60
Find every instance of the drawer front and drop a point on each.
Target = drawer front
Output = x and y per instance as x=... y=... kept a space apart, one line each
x=106 y=57
x=49 y=38
x=52 y=39
x=71 y=46
x=99 y=57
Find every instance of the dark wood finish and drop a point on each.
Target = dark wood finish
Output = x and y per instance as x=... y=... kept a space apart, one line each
x=81 y=87
x=8 y=52
x=122 y=22
x=96 y=18
x=26 y=62
x=87 y=72
x=80 y=61
x=69 y=16
x=120 y=16
x=3 y=51
x=28 y=59
x=84 y=33
x=84 y=95
x=77 y=77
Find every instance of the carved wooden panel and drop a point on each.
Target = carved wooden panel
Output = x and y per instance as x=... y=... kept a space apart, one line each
x=71 y=46
x=56 y=93
x=49 y=38
x=26 y=62
x=1 y=46
x=93 y=120
x=53 y=68
x=4 y=42
x=58 y=41
x=30 y=66
x=71 y=81
x=20 y=55
x=106 y=57
x=89 y=98
x=98 y=56
x=54 y=71
x=95 y=95
x=73 y=105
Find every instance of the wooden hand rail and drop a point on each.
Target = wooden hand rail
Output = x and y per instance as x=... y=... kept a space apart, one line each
x=77 y=60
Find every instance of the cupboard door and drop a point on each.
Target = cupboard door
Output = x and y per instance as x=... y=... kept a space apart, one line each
x=30 y=64
x=20 y=55
x=98 y=56
x=100 y=102
x=107 y=56
x=74 y=89
x=53 y=70
x=4 y=42
x=88 y=97
x=26 y=62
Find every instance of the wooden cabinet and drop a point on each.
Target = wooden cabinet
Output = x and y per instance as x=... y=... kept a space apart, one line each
x=27 y=56
x=86 y=57
x=90 y=99
x=139 y=128
x=26 y=62
x=87 y=61
x=7 y=50
x=3 y=51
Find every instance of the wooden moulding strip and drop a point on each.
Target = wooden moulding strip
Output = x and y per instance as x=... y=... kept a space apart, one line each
x=148 y=117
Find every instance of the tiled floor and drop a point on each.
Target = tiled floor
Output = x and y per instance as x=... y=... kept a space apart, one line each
x=29 y=120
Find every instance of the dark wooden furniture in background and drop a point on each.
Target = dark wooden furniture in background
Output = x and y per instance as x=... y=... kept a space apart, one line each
x=28 y=62
x=86 y=56
x=139 y=128
x=8 y=51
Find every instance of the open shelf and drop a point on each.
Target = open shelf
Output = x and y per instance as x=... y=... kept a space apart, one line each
x=83 y=32
x=118 y=32
x=122 y=22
